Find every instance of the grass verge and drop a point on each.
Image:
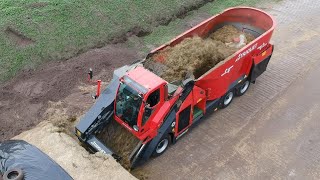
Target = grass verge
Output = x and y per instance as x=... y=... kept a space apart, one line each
x=163 y=34
x=33 y=31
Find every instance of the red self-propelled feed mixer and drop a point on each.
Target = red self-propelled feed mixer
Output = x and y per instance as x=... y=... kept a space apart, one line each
x=157 y=110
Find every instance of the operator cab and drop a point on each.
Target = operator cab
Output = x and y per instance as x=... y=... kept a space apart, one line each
x=140 y=94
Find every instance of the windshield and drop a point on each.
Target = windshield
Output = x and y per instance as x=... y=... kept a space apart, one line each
x=128 y=104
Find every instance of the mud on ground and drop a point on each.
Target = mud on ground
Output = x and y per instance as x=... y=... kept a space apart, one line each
x=24 y=100
x=18 y=38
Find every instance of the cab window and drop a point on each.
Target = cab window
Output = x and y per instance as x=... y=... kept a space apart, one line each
x=151 y=102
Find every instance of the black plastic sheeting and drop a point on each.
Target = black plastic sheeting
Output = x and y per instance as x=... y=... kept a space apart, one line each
x=34 y=163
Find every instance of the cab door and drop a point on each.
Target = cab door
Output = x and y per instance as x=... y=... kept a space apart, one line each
x=151 y=106
x=184 y=116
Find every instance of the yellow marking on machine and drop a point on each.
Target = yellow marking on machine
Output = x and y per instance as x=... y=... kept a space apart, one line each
x=264 y=53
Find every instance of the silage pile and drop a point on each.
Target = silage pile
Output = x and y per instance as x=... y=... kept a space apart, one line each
x=194 y=56
x=120 y=140
x=66 y=151
x=55 y=137
x=227 y=33
x=58 y=116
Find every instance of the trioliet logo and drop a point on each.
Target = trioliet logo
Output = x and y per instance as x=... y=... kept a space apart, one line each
x=244 y=53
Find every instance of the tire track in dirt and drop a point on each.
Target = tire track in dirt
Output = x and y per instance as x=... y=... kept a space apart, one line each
x=24 y=99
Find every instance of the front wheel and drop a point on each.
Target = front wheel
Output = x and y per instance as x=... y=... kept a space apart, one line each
x=243 y=88
x=162 y=146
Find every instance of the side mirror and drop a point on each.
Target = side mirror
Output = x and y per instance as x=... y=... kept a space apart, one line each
x=135 y=128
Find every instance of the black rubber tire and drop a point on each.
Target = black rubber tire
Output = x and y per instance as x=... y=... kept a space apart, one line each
x=225 y=100
x=243 y=88
x=164 y=139
x=16 y=172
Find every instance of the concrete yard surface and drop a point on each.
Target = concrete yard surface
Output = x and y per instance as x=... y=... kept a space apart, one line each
x=272 y=132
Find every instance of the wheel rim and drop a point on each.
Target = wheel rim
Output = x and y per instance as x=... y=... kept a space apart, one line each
x=244 y=87
x=162 y=146
x=228 y=98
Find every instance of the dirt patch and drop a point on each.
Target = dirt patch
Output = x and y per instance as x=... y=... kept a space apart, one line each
x=119 y=140
x=184 y=10
x=72 y=157
x=18 y=38
x=139 y=32
x=38 y=5
x=158 y=21
x=194 y=56
x=24 y=99
x=181 y=13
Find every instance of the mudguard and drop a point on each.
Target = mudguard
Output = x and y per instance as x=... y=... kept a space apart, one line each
x=260 y=63
x=258 y=69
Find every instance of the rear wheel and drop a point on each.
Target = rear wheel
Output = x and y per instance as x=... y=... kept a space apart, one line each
x=162 y=146
x=243 y=88
x=227 y=99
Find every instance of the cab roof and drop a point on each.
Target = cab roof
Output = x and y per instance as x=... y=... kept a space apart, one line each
x=145 y=78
